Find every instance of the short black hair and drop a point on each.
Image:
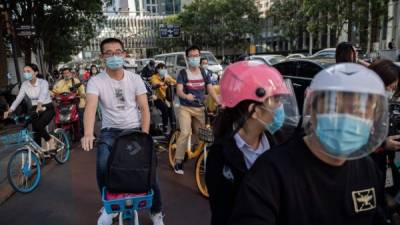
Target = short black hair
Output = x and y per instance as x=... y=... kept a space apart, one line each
x=33 y=66
x=64 y=69
x=160 y=65
x=110 y=40
x=202 y=59
x=344 y=51
x=191 y=48
x=386 y=70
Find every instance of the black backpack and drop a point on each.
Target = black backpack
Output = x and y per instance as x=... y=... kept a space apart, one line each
x=132 y=163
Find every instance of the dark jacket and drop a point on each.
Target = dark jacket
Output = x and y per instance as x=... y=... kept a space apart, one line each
x=224 y=173
x=289 y=185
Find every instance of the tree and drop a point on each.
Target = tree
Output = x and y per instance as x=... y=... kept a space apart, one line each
x=65 y=26
x=221 y=23
x=321 y=16
x=288 y=18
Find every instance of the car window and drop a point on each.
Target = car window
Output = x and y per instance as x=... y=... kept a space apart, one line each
x=180 y=61
x=327 y=54
x=170 y=61
x=308 y=69
x=286 y=68
x=275 y=60
x=160 y=58
x=210 y=57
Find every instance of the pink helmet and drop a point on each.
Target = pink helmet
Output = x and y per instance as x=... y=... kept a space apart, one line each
x=250 y=80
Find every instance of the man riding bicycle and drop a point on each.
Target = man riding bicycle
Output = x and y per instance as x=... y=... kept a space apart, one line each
x=123 y=103
x=191 y=89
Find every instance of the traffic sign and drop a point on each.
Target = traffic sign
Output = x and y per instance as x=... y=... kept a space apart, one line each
x=170 y=31
x=26 y=30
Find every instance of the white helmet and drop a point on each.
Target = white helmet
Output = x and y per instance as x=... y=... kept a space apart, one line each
x=346 y=110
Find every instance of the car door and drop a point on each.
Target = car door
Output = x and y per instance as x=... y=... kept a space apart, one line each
x=170 y=63
x=306 y=70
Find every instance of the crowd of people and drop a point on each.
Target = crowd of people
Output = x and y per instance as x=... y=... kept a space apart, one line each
x=337 y=167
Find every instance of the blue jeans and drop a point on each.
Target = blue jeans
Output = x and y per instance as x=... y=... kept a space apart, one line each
x=107 y=138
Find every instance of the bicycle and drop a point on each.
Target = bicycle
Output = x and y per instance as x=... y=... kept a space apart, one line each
x=23 y=170
x=126 y=205
x=206 y=137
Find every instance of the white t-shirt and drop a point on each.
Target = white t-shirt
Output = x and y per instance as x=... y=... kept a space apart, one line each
x=118 y=99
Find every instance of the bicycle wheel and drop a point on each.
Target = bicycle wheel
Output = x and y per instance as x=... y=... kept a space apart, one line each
x=200 y=174
x=172 y=147
x=63 y=153
x=23 y=172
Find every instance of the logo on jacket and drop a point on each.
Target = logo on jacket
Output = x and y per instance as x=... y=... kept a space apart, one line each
x=364 y=200
x=133 y=148
x=227 y=172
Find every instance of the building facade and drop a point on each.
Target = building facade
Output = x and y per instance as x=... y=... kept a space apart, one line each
x=136 y=23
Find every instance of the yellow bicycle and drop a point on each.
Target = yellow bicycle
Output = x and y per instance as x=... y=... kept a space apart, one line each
x=206 y=137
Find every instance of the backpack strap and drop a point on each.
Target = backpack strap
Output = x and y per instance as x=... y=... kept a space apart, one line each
x=185 y=79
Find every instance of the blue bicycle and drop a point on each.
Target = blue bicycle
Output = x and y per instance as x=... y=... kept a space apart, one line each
x=126 y=205
x=23 y=171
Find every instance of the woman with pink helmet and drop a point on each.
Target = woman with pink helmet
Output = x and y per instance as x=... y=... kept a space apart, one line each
x=255 y=100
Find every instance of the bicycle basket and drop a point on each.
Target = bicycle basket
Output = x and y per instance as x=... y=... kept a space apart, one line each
x=13 y=136
x=206 y=135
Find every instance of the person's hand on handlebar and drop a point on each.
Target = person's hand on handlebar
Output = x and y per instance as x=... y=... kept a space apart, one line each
x=87 y=142
x=392 y=143
x=190 y=97
x=40 y=108
x=7 y=113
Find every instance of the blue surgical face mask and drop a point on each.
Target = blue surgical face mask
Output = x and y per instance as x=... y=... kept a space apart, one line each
x=162 y=72
x=194 y=61
x=277 y=122
x=342 y=134
x=114 y=62
x=389 y=94
x=28 y=76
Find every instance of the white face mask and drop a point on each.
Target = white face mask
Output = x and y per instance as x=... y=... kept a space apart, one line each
x=205 y=66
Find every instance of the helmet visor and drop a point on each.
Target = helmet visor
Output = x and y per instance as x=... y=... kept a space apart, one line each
x=346 y=124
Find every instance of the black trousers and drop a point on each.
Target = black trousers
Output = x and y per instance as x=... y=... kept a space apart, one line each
x=166 y=113
x=39 y=124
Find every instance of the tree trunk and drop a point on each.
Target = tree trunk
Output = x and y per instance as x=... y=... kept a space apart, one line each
x=311 y=44
x=3 y=56
x=369 y=39
x=349 y=20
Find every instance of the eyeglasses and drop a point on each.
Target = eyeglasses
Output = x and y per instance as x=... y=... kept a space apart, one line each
x=193 y=56
x=116 y=53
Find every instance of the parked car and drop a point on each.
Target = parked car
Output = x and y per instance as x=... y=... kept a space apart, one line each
x=295 y=56
x=177 y=61
x=301 y=72
x=141 y=63
x=331 y=53
x=268 y=59
x=325 y=53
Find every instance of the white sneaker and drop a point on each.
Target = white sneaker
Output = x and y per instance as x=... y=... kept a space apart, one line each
x=105 y=218
x=157 y=218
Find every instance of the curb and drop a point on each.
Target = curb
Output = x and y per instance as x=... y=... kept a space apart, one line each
x=6 y=191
